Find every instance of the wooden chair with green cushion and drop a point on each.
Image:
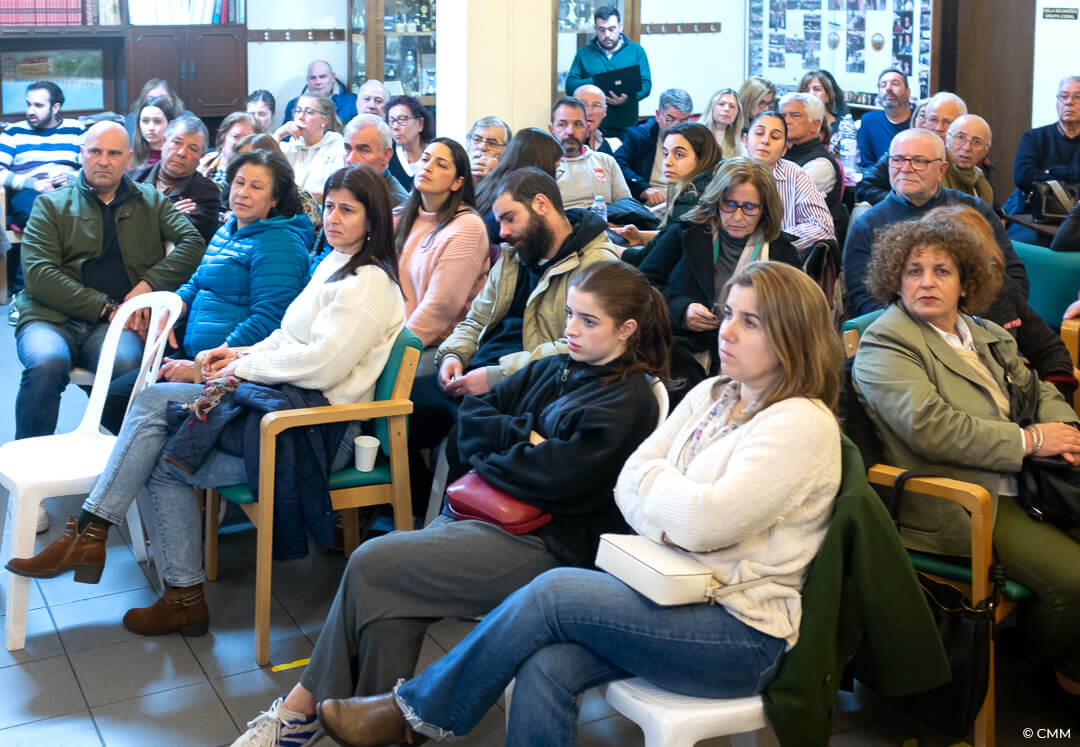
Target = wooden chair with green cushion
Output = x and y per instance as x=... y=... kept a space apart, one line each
x=1055 y=278
x=350 y=489
x=973 y=579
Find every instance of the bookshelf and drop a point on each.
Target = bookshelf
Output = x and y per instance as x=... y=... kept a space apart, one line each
x=205 y=62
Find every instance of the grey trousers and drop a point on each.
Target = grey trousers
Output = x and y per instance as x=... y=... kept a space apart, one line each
x=397 y=585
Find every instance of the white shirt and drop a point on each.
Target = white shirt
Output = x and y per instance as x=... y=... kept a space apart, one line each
x=806 y=216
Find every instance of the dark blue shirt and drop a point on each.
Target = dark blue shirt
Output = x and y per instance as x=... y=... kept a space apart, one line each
x=894 y=209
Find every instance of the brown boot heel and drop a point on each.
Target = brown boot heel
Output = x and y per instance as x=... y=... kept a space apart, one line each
x=88 y=574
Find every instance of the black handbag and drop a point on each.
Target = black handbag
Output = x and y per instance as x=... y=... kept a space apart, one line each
x=1051 y=201
x=966 y=631
x=1049 y=490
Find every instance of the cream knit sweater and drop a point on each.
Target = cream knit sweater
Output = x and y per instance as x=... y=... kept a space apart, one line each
x=755 y=502
x=335 y=337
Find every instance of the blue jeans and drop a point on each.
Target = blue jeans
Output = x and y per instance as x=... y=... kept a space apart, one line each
x=48 y=352
x=135 y=464
x=572 y=629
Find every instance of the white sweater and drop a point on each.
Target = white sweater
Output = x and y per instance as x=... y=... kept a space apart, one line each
x=590 y=174
x=754 y=503
x=313 y=164
x=335 y=337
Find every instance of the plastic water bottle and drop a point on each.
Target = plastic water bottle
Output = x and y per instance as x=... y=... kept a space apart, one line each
x=599 y=207
x=848 y=149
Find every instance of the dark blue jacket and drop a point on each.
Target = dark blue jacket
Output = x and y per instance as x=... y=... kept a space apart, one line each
x=1043 y=153
x=894 y=209
x=302 y=462
x=246 y=280
x=636 y=155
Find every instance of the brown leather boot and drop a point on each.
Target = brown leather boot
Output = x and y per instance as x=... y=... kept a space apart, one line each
x=84 y=551
x=180 y=609
x=366 y=722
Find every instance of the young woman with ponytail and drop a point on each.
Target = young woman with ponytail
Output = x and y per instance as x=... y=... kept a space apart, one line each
x=728 y=478
x=554 y=435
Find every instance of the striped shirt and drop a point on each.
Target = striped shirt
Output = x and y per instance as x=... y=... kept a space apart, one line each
x=26 y=153
x=805 y=215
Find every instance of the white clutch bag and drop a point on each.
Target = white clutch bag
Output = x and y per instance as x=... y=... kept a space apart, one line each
x=663 y=574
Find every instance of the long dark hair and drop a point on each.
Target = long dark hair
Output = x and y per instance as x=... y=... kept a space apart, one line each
x=624 y=293
x=528 y=147
x=461 y=199
x=427 y=134
x=370 y=190
x=140 y=147
x=286 y=196
x=701 y=140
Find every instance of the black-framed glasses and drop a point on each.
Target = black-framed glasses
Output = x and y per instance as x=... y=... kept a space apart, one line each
x=917 y=163
x=400 y=120
x=749 y=209
x=478 y=141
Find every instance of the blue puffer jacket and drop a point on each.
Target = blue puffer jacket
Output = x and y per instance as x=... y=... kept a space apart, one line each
x=247 y=278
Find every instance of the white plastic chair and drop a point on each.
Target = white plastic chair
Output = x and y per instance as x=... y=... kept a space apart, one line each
x=671 y=720
x=33 y=469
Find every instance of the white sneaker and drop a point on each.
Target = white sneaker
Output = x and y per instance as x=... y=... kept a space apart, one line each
x=279 y=727
x=42 y=519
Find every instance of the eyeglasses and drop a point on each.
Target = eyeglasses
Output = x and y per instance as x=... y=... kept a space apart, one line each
x=961 y=137
x=670 y=120
x=749 y=209
x=1074 y=97
x=400 y=120
x=917 y=163
x=478 y=141
x=307 y=112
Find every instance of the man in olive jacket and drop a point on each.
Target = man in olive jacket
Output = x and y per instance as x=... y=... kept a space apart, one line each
x=88 y=248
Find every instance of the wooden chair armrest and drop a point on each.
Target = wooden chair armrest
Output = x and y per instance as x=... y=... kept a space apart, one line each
x=974 y=498
x=274 y=423
x=1070 y=335
x=201 y=356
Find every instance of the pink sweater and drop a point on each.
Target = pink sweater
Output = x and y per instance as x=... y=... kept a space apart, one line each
x=440 y=276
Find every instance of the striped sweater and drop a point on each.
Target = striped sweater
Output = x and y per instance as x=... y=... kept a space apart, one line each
x=26 y=153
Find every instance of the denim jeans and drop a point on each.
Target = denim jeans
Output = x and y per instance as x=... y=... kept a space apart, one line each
x=48 y=352
x=573 y=629
x=135 y=464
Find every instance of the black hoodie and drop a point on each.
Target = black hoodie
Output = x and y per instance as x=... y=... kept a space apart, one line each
x=590 y=427
x=505 y=337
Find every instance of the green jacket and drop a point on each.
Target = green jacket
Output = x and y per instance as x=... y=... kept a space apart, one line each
x=544 y=323
x=860 y=595
x=64 y=231
x=934 y=416
x=591 y=59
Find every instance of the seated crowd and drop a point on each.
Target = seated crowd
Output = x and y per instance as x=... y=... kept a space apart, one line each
x=556 y=280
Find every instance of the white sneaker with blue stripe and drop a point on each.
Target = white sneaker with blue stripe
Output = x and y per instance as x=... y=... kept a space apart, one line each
x=279 y=727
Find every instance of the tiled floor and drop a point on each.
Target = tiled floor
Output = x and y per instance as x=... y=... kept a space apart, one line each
x=85 y=680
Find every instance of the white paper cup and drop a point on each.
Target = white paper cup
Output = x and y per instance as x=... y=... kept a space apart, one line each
x=365 y=448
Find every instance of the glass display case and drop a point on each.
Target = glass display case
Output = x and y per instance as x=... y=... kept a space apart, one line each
x=574 y=29
x=394 y=41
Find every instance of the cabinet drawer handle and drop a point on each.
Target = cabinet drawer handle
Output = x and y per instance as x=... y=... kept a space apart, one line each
x=192 y=75
x=183 y=70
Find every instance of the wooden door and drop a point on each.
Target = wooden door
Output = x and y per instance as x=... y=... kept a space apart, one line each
x=217 y=70
x=155 y=52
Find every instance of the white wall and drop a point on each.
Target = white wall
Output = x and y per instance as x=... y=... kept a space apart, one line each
x=493 y=57
x=1055 y=57
x=698 y=63
x=280 y=67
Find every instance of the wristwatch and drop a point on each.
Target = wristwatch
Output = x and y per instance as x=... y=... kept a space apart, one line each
x=108 y=309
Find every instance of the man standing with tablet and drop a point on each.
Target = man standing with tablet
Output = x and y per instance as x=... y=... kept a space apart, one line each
x=611 y=52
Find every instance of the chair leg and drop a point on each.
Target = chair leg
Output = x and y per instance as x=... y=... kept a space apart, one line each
x=399 y=474
x=137 y=532
x=984 y=722
x=350 y=529
x=18 y=543
x=210 y=551
x=438 y=484
x=263 y=558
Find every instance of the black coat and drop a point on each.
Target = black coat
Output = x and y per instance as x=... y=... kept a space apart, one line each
x=590 y=427
x=204 y=193
x=681 y=265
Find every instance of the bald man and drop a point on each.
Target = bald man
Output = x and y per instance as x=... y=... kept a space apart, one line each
x=87 y=248
x=917 y=164
x=595 y=111
x=321 y=80
x=967 y=142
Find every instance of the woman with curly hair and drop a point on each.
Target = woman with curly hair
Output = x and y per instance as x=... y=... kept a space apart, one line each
x=936 y=382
